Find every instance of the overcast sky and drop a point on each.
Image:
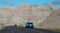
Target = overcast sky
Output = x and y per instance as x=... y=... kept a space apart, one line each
x=16 y=3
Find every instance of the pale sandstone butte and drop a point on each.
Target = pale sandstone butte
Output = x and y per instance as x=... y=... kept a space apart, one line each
x=25 y=13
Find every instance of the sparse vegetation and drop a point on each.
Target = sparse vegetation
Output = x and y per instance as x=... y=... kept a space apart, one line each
x=21 y=24
x=57 y=29
x=54 y=29
x=1 y=26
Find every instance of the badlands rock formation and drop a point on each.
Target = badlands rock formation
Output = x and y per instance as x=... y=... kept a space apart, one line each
x=24 y=13
x=53 y=20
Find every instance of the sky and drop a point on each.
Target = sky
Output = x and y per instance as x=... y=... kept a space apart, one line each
x=16 y=3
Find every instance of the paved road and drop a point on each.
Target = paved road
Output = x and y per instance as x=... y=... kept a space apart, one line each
x=12 y=29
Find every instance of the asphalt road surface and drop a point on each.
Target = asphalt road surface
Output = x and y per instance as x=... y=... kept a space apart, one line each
x=12 y=29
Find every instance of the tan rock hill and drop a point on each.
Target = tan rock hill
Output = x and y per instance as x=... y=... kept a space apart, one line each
x=25 y=13
x=53 y=20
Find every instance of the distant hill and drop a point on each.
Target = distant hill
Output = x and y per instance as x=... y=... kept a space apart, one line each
x=25 y=13
x=53 y=20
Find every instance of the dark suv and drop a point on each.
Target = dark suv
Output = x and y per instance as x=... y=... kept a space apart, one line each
x=29 y=25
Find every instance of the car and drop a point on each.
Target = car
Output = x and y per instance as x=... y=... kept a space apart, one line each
x=29 y=25
x=15 y=25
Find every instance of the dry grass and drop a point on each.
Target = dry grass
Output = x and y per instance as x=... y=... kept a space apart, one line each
x=54 y=28
x=49 y=28
x=40 y=26
x=1 y=26
x=22 y=24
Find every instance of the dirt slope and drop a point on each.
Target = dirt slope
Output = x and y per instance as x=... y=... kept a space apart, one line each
x=11 y=29
x=53 y=20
